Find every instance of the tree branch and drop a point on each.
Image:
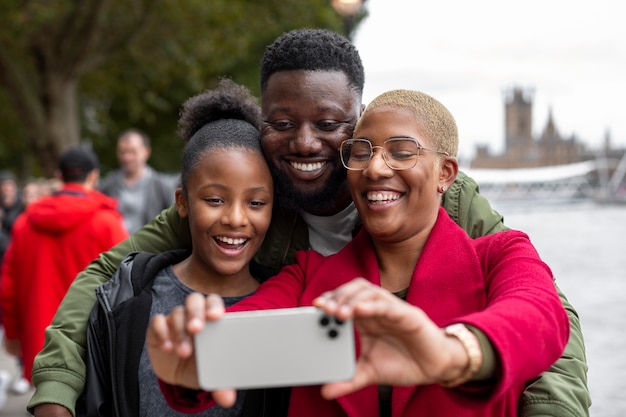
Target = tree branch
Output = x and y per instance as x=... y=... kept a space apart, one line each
x=21 y=89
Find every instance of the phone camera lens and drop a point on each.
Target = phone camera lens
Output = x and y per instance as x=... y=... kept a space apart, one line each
x=339 y=322
x=333 y=333
x=324 y=321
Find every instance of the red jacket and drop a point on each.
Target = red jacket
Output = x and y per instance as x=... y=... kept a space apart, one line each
x=496 y=283
x=51 y=242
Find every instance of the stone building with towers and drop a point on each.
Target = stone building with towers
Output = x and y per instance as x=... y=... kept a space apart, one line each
x=522 y=149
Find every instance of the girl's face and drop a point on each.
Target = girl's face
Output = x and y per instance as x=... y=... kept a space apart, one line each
x=397 y=205
x=229 y=205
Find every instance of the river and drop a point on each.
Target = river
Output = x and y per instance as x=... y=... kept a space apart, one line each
x=585 y=245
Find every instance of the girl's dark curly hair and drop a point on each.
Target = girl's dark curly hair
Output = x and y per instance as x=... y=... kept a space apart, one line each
x=225 y=117
x=228 y=101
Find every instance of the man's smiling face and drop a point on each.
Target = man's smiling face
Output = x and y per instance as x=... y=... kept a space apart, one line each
x=307 y=114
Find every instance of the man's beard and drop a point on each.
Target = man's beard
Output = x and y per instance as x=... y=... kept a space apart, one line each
x=322 y=199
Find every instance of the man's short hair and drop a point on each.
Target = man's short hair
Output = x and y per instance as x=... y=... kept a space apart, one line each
x=134 y=131
x=76 y=163
x=313 y=50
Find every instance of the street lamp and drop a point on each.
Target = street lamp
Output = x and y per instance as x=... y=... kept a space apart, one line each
x=349 y=10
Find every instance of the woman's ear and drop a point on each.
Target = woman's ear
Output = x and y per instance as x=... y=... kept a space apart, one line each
x=448 y=170
x=181 y=203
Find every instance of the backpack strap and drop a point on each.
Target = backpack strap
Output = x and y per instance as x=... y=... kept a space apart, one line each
x=137 y=315
x=146 y=265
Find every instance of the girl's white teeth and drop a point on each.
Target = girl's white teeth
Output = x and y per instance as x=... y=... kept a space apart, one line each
x=307 y=166
x=379 y=196
x=230 y=240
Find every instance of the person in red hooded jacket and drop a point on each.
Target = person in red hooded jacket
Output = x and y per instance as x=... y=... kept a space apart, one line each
x=51 y=242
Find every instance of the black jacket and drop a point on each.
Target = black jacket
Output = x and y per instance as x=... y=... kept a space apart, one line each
x=116 y=336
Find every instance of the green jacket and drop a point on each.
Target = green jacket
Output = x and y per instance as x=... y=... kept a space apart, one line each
x=59 y=369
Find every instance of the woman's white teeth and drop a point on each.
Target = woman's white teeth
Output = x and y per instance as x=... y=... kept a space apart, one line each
x=307 y=166
x=231 y=241
x=378 y=196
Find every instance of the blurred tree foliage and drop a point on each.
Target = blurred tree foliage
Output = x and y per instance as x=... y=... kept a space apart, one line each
x=74 y=71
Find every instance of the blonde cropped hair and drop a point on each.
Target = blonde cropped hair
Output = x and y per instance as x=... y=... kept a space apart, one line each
x=434 y=120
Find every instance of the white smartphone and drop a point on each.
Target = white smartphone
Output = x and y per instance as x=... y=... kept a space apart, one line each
x=274 y=348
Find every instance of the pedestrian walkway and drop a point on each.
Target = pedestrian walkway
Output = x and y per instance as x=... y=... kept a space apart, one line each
x=15 y=405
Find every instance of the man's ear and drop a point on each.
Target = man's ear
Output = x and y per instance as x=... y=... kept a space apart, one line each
x=448 y=170
x=92 y=179
x=181 y=203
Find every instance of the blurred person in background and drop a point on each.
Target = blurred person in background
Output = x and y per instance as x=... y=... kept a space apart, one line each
x=36 y=188
x=51 y=242
x=5 y=237
x=141 y=192
x=8 y=188
x=11 y=206
x=32 y=191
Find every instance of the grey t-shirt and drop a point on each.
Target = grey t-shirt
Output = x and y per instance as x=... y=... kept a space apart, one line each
x=329 y=234
x=167 y=293
x=132 y=202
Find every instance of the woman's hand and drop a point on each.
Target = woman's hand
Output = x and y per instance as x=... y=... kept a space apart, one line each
x=400 y=345
x=170 y=344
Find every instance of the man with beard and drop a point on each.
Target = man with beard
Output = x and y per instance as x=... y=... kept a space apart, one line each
x=311 y=86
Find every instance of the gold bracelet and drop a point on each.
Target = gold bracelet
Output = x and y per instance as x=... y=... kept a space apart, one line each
x=471 y=346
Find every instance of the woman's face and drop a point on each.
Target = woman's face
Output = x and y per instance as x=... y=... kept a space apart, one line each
x=396 y=205
x=229 y=205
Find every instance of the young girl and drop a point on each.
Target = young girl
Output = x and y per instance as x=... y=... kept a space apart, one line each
x=226 y=194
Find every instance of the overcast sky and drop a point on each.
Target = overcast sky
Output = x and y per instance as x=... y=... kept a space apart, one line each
x=571 y=53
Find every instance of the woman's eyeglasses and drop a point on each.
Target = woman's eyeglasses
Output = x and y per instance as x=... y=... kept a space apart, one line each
x=398 y=153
